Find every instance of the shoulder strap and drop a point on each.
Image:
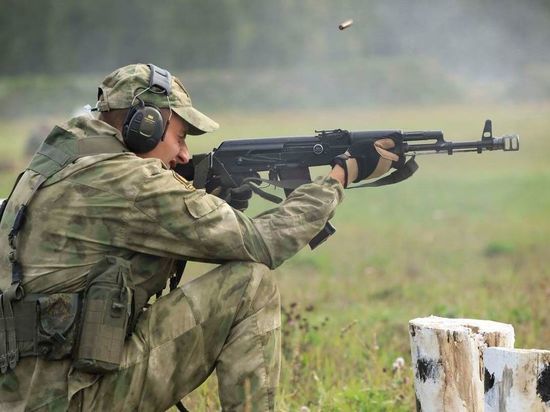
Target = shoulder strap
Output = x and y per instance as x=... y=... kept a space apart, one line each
x=61 y=148
x=9 y=352
x=5 y=202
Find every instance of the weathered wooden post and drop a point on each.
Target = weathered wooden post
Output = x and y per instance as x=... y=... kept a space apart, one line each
x=517 y=380
x=447 y=361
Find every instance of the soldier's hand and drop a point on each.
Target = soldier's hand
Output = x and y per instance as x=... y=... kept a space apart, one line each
x=237 y=198
x=369 y=160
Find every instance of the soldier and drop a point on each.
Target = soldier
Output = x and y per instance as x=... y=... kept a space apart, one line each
x=96 y=226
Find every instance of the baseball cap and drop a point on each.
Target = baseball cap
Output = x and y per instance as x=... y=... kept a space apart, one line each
x=120 y=88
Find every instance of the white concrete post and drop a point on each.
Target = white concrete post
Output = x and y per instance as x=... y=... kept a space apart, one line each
x=447 y=361
x=517 y=380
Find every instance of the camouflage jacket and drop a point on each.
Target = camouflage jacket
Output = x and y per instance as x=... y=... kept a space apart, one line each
x=122 y=205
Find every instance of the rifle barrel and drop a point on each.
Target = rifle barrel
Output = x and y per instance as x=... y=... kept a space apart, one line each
x=506 y=143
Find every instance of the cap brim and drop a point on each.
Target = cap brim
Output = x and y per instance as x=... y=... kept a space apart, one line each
x=199 y=122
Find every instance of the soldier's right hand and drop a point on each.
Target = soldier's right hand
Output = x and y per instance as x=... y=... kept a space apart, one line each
x=237 y=198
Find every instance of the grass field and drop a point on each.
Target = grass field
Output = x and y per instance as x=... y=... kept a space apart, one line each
x=467 y=236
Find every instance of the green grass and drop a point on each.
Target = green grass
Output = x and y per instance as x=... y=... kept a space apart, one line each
x=466 y=237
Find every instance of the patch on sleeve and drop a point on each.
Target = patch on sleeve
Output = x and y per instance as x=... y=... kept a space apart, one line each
x=188 y=185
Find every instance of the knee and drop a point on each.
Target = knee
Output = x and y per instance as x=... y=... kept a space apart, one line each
x=267 y=284
x=266 y=301
x=262 y=292
x=259 y=272
x=263 y=280
x=256 y=274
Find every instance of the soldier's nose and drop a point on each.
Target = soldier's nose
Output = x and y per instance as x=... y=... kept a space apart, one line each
x=183 y=157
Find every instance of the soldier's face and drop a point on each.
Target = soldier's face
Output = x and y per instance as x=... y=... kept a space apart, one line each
x=172 y=150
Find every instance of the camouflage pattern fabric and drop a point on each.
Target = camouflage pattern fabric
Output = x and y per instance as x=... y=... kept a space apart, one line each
x=137 y=210
x=227 y=319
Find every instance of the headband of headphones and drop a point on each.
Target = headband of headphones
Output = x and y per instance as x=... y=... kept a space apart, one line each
x=160 y=78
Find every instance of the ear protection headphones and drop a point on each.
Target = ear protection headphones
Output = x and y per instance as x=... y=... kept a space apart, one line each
x=144 y=127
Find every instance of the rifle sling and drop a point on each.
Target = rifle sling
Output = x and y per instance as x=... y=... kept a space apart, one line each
x=403 y=173
x=175 y=280
x=254 y=182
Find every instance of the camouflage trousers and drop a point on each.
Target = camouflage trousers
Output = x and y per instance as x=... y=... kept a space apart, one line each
x=227 y=320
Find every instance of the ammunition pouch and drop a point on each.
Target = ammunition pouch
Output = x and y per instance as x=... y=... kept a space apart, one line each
x=55 y=325
x=38 y=325
x=91 y=328
x=105 y=317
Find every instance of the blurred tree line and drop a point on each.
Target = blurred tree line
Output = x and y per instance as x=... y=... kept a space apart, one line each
x=65 y=36
x=278 y=53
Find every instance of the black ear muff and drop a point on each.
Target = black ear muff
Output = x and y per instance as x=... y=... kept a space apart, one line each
x=144 y=128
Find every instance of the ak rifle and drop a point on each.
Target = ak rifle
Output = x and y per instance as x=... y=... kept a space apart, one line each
x=287 y=160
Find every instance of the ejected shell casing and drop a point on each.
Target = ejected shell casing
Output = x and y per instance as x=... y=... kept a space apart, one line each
x=344 y=25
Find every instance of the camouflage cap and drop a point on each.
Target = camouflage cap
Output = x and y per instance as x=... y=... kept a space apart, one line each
x=119 y=89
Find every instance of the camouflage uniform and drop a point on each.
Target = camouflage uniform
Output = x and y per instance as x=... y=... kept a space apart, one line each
x=136 y=209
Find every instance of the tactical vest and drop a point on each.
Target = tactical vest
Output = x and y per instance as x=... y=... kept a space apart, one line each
x=18 y=328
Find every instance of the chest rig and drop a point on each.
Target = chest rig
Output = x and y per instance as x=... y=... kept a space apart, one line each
x=60 y=149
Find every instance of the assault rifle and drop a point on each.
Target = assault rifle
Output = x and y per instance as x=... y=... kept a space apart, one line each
x=236 y=163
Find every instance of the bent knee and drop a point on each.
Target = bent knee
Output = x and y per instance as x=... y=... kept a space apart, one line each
x=266 y=302
x=252 y=267
x=260 y=271
x=257 y=273
x=266 y=297
x=262 y=291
